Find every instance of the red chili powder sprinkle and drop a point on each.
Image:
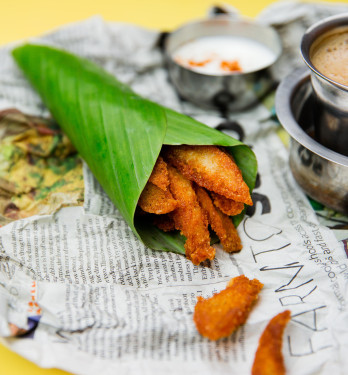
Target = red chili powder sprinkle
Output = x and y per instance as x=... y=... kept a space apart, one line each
x=198 y=63
x=231 y=66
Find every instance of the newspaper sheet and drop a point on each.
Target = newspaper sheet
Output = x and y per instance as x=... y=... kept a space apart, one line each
x=92 y=299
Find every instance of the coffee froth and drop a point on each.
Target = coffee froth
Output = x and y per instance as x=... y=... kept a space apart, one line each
x=329 y=55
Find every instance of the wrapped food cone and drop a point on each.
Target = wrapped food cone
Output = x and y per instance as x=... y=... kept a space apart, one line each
x=118 y=133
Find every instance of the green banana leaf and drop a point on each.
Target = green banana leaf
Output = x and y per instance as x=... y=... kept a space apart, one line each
x=118 y=133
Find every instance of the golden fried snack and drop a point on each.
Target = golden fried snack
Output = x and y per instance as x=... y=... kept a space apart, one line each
x=224 y=312
x=155 y=200
x=268 y=358
x=211 y=168
x=159 y=175
x=220 y=223
x=227 y=206
x=189 y=218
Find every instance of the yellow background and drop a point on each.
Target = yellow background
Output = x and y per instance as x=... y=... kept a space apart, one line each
x=21 y=19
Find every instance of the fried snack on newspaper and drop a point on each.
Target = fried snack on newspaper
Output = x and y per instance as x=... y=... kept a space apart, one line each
x=190 y=219
x=211 y=168
x=220 y=223
x=224 y=312
x=122 y=157
x=171 y=192
x=268 y=358
x=227 y=206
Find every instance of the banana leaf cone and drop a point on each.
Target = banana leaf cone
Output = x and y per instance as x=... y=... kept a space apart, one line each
x=118 y=133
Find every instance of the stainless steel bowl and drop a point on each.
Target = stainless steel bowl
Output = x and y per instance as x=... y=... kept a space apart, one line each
x=332 y=117
x=321 y=172
x=234 y=91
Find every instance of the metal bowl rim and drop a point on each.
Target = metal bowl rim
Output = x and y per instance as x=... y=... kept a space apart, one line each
x=314 y=32
x=223 y=19
x=284 y=95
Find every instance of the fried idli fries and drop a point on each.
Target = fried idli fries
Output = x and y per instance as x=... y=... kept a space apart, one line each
x=156 y=201
x=227 y=206
x=156 y=197
x=210 y=168
x=220 y=223
x=177 y=186
x=268 y=358
x=159 y=175
x=190 y=219
x=224 y=312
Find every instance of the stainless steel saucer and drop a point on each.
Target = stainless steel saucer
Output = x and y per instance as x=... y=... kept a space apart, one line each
x=321 y=172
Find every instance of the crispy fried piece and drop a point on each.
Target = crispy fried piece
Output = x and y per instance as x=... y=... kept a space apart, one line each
x=227 y=206
x=155 y=200
x=211 y=168
x=224 y=312
x=159 y=175
x=220 y=223
x=164 y=222
x=268 y=358
x=189 y=218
